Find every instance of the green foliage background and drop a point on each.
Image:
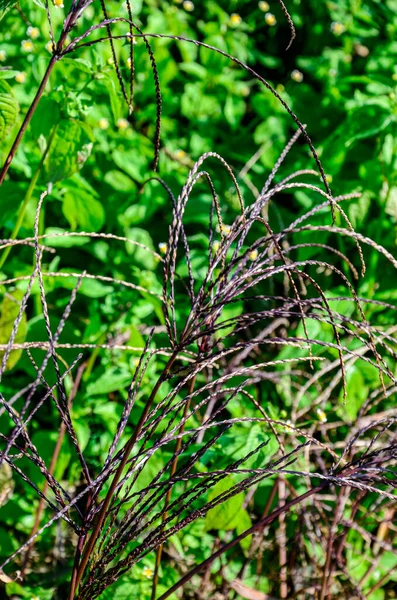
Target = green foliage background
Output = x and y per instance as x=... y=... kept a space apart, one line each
x=339 y=77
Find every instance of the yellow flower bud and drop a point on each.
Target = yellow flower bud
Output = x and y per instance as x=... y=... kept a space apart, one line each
x=20 y=77
x=180 y=154
x=27 y=45
x=33 y=32
x=235 y=19
x=264 y=6
x=270 y=19
x=122 y=123
x=297 y=76
x=337 y=28
x=147 y=572
x=103 y=124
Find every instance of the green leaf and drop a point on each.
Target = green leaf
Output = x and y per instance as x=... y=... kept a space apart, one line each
x=227 y=514
x=89 y=287
x=83 y=210
x=47 y=115
x=234 y=110
x=70 y=148
x=140 y=255
x=366 y=122
x=357 y=392
x=244 y=523
x=110 y=381
x=9 y=312
x=9 y=109
x=6 y=73
x=63 y=241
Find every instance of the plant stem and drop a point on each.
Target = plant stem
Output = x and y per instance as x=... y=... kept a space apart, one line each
x=168 y=495
x=27 y=198
x=27 y=118
x=54 y=460
x=263 y=522
x=126 y=453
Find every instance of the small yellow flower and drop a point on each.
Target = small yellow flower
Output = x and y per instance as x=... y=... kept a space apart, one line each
x=180 y=154
x=328 y=178
x=3 y=55
x=264 y=6
x=20 y=77
x=245 y=90
x=270 y=19
x=288 y=426
x=235 y=19
x=103 y=124
x=178 y=1
x=147 y=572
x=129 y=62
x=110 y=61
x=253 y=255
x=215 y=246
x=33 y=32
x=27 y=45
x=225 y=229
x=322 y=417
x=188 y=5
x=49 y=46
x=394 y=76
x=58 y=3
x=297 y=76
x=163 y=247
x=337 y=28
x=122 y=123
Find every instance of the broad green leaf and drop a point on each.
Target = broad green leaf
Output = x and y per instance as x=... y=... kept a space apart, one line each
x=110 y=381
x=9 y=109
x=70 y=148
x=9 y=312
x=226 y=515
x=357 y=392
x=366 y=122
x=6 y=73
x=89 y=287
x=83 y=210
x=47 y=115
x=141 y=256
x=63 y=241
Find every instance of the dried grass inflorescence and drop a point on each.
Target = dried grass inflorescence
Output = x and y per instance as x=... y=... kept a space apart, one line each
x=216 y=358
